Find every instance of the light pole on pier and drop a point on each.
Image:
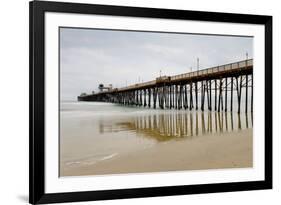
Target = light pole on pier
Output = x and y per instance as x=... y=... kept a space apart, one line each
x=197 y=64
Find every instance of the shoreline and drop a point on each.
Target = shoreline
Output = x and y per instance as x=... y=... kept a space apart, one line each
x=212 y=151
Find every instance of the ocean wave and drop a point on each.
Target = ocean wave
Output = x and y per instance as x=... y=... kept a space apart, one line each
x=92 y=161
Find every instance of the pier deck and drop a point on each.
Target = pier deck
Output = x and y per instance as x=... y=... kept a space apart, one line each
x=177 y=91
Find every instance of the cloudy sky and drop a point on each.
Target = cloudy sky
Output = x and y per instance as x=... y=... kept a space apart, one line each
x=90 y=57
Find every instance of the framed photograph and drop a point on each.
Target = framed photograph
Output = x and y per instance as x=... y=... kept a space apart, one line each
x=130 y=102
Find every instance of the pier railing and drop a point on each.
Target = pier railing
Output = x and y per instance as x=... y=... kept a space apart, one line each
x=212 y=70
x=148 y=83
x=226 y=67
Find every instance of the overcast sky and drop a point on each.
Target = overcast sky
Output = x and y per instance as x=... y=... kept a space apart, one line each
x=90 y=57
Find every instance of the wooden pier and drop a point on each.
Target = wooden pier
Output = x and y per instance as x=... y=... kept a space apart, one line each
x=182 y=91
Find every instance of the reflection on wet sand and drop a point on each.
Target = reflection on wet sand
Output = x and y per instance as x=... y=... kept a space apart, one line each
x=175 y=125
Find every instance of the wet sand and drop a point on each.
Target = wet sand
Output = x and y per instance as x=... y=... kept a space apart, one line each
x=211 y=151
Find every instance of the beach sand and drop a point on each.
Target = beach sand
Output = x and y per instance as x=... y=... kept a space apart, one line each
x=211 y=151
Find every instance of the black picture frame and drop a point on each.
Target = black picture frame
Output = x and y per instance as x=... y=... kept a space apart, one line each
x=37 y=193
